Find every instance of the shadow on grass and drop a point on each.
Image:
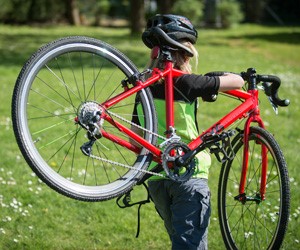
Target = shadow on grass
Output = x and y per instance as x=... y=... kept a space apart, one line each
x=281 y=37
x=16 y=49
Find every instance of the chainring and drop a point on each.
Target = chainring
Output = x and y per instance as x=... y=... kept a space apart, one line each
x=172 y=152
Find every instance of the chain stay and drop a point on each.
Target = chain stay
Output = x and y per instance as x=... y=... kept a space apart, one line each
x=124 y=165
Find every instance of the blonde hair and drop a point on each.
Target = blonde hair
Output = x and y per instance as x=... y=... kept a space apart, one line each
x=181 y=60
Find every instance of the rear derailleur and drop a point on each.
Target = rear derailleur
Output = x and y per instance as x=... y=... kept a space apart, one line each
x=89 y=117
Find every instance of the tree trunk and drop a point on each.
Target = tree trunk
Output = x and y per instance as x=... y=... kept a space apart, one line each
x=165 y=6
x=254 y=10
x=137 y=16
x=72 y=12
x=211 y=16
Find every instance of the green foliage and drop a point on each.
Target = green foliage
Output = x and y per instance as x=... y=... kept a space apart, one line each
x=230 y=13
x=19 y=11
x=102 y=6
x=32 y=216
x=193 y=9
x=28 y=11
x=14 y=10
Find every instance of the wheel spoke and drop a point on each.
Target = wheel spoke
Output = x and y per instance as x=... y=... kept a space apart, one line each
x=252 y=223
x=61 y=79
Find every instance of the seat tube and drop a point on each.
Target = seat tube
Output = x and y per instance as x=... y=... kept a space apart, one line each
x=169 y=96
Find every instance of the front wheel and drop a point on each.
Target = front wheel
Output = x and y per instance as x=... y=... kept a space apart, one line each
x=254 y=223
x=58 y=82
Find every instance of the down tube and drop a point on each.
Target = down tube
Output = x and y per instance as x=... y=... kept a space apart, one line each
x=225 y=122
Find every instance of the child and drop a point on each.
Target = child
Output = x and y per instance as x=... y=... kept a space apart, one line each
x=184 y=207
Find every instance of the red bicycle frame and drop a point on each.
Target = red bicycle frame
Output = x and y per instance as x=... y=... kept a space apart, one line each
x=247 y=109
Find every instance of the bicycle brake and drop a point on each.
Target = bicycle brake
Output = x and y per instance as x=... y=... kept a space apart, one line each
x=266 y=87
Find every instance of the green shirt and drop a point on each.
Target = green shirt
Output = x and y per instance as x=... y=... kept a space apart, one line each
x=184 y=120
x=187 y=89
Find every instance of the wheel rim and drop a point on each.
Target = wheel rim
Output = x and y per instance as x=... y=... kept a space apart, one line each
x=254 y=224
x=59 y=82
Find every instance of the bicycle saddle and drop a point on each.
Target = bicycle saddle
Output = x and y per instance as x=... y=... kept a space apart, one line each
x=161 y=39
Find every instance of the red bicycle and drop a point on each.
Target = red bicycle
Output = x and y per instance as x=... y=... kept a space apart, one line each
x=72 y=114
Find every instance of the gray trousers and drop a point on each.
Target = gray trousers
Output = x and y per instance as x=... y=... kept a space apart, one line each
x=185 y=210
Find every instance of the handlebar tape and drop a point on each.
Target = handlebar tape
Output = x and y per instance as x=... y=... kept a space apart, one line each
x=272 y=89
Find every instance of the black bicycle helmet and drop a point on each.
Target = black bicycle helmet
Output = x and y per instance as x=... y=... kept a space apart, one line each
x=176 y=27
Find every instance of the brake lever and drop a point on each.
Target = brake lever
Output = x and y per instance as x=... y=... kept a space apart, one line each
x=265 y=88
x=274 y=106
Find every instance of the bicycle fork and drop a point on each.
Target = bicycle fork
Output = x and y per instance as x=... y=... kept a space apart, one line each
x=254 y=117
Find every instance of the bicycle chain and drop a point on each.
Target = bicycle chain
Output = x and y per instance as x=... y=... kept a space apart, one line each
x=121 y=164
x=125 y=166
x=133 y=124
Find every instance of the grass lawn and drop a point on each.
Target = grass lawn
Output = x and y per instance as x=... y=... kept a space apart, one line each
x=32 y=216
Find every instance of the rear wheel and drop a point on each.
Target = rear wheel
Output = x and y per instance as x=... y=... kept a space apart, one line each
x=254 y=223
x=58 y=82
